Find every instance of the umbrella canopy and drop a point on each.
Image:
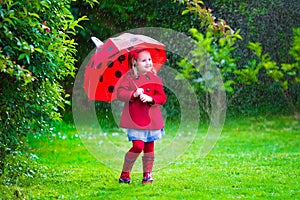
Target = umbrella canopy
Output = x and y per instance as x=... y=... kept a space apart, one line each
x=110 y=62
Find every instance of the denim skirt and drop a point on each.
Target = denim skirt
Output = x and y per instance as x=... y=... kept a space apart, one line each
x=145 y=135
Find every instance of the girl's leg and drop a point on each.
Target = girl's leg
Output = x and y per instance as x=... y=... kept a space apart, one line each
x=149 y=148
x=137 y=146
x=148 y=160
x=130 y=157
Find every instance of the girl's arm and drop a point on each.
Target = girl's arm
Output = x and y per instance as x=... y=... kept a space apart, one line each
x=159 y=96
x=125 y=91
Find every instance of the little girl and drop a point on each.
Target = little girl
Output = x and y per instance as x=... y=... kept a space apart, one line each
x=142 y=91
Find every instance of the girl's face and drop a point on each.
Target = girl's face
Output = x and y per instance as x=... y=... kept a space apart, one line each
x=144 y=62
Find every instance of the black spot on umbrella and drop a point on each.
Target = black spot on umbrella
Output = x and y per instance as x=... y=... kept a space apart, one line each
x=110 y=64
x=101 y=79
x=121 y=58
x=111 y=89
x=129 y=48
x=118 y=74
x=99 y=66
x=157 y=49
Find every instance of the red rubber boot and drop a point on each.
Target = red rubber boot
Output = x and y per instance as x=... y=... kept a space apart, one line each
x=129 y=160
x=147 y=168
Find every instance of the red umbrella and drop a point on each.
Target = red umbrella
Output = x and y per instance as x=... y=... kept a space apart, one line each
x=110 y=62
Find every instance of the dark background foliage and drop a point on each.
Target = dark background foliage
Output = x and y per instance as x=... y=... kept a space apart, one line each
x=268 y=22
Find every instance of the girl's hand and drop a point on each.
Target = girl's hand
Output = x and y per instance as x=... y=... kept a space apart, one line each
x=138 y=92
x=145 y=98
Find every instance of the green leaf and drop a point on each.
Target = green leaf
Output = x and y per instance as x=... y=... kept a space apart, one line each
x=35 y=15
x=238 y=36
x=270 y=65
x=256 y=47
x=222 y=42
x=285 y=85
x=275 y=74
x=27 y=58
x=228 y=87
x=22 y=56
x=38 y=50
x=185 y=12
x=287 y=67
x=9 y=21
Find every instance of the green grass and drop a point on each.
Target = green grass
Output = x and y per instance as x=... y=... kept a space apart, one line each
x=255 y=158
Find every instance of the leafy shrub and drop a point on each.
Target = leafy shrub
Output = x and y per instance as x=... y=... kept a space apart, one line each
x=37 y=53
x=287 y=75
x=19 y=167
x=218 y=44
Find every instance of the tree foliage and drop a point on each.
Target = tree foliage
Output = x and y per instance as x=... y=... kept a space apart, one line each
x=219 y=42
x=252 y=21
x=37 y=52
x=269 y=25
x=269 y=22
x=112 y=17
x=285 y=74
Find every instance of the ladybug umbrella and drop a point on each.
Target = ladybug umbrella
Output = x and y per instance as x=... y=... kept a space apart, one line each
x=110 y=61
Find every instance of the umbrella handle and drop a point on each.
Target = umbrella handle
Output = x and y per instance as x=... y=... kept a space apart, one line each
x=96 y=41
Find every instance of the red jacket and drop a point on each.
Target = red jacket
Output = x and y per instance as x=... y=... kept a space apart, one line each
x=136 y=114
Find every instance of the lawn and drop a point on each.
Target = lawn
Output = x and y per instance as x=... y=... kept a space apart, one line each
x=254 y=158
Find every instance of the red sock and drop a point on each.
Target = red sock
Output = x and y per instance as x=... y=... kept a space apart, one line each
x=137 y=146
x=149 y=148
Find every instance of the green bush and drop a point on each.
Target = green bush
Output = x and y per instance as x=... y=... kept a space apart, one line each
x=19 y=167
x=37 y=53
x=286 y=75
x=218 y=45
